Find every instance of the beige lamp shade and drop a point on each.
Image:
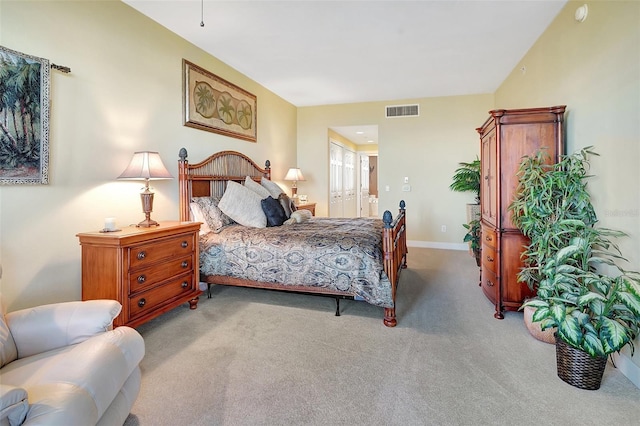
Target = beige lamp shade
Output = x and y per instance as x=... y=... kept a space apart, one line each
x=294 y=174
x=146 y=165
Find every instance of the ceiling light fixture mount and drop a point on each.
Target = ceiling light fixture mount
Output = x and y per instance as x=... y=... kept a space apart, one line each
x=581 y=13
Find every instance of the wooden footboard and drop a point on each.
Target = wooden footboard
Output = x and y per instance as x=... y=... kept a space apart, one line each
x=394 y=251
x=209 y=178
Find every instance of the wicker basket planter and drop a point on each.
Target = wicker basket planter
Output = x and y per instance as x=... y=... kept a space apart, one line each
x=578 y=368
x=547 y=336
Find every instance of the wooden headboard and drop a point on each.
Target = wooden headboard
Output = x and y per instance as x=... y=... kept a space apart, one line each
x=209 y=178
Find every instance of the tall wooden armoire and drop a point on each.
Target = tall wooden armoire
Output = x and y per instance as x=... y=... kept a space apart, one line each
x=506 y=137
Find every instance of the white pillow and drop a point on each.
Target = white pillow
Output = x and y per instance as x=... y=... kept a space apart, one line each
x=198 y=216
x=273 y=188
x=243 y=205
x=256 y=187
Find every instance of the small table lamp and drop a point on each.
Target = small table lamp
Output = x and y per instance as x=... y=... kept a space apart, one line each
x=146 y=165
x=295 y=175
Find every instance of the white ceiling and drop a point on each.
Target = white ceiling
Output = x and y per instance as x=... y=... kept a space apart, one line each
x=335 y=52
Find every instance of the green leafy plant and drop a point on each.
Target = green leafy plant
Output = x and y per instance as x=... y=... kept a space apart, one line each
x=473 y=238
x=466 y=178
x=594 y=312
x=565 y=262
x=550 y=196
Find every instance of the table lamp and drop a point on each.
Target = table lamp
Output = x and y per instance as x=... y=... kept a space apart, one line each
x=146 y=165
x=295 y=175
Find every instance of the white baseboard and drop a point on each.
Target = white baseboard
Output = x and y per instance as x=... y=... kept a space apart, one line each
x=628 y=368
x=438 y=245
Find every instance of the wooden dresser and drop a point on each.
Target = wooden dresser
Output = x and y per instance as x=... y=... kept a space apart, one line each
x=148 y=270
x=308 y=206
x=506 y=137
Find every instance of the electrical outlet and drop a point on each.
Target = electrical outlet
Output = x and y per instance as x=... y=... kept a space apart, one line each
x=443 y=228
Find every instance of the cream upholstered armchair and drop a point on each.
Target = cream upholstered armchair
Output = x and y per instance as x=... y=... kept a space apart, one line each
x=63 y=364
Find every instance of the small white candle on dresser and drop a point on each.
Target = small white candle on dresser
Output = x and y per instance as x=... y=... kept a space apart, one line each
x=110 y=224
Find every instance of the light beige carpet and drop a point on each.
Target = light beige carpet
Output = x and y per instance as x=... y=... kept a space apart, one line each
x=256 y=357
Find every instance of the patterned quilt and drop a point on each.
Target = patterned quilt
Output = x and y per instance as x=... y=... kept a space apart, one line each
x=337 y=254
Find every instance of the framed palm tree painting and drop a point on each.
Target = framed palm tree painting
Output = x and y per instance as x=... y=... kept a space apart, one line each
x=213 y=104
x=24 y=118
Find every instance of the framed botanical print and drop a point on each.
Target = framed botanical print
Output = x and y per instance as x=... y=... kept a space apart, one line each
x=213 y=104
x=24 y=118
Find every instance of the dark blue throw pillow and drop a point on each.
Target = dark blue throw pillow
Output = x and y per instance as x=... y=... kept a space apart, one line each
x=273 y=211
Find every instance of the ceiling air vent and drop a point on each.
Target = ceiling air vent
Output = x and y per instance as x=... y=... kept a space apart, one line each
x=402 y=111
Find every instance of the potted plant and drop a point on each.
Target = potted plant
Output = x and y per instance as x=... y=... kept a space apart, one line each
x=594 y=313
x=466 y=178
x=473 y=238
x=548 y=194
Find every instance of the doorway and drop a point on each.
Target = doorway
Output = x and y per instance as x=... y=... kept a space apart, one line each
x=353 y=171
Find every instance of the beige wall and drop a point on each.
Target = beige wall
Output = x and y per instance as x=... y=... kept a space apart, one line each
x=426 y=149
x=124 y=94
x=594 y=68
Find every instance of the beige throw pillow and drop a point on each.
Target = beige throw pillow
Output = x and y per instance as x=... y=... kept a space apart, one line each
x=256 y=187
x=273 y=188
x=243 y=205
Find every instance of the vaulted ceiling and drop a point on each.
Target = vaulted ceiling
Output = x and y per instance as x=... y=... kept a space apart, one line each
x=335 y=52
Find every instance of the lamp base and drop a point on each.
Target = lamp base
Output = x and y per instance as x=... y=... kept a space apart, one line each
x=147 y=208
x=147 y=223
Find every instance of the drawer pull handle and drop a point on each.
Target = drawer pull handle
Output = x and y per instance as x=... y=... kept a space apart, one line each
x=489 y=283
x=184 y=264
x=141 y=279
x=488 y=238
x=185 y=284
x=184 y=244
x=490 y=259
x=142 y=302
x=142 y=255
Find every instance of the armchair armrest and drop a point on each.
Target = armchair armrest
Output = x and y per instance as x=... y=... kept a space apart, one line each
x=13 y=405
x=43 y=328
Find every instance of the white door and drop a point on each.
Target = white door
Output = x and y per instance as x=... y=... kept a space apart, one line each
x=350 y=204
x=364 y=185
x=335 y=180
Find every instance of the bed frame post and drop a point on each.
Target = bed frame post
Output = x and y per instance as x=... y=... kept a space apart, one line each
x=183 y=188
x=403 y=236
x=394 y=250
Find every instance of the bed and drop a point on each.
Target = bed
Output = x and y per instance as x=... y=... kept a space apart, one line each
x=355 y=258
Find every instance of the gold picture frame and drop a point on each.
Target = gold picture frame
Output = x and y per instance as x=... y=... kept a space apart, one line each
x=213 y=104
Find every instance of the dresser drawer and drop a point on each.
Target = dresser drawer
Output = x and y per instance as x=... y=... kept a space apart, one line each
x=148 y=253
x=489 y=259
x=488 y=236
x=144 y=278
x=147 y=301
x=489 y=284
